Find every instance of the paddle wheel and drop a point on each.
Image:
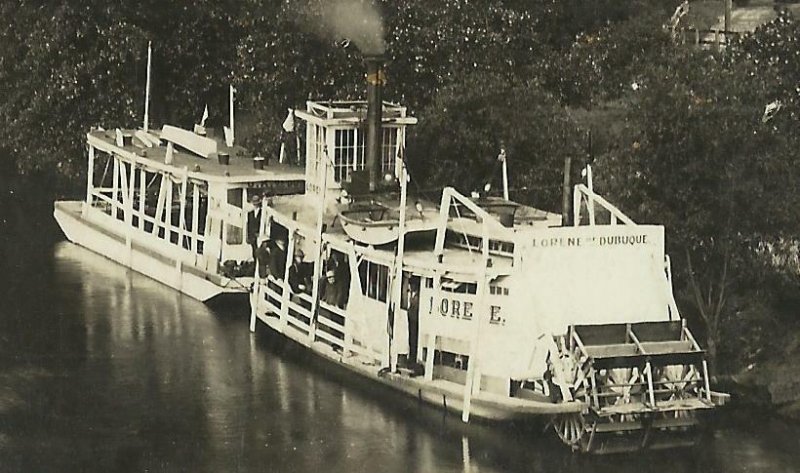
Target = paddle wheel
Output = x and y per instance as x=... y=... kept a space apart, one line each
x=645 y=386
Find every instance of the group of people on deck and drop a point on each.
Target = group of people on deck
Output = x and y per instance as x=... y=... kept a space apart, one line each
x=270 y=257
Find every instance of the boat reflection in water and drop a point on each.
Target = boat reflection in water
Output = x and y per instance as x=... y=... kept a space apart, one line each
x=113 y=371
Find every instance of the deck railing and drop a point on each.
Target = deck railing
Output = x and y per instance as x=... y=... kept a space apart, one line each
x=330 y=325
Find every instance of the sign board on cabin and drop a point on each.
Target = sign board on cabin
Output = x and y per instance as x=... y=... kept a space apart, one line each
x=593 y=275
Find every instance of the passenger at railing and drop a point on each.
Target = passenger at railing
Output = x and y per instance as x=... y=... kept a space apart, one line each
x=299 y=274
x=332 y=291
x=254 y=222
x=338 y=263
x=277 y=259
x=262 y=257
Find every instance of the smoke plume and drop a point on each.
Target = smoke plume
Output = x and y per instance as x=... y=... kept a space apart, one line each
x=357 y=21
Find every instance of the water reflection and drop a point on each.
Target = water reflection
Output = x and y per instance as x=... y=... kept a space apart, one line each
x=106 y=370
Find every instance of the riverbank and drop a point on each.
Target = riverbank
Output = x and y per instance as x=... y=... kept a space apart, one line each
x=772 y=387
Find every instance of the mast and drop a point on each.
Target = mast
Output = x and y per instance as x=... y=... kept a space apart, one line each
x=318 y=256
x=502 y=158
x=147 y=87
x=401 y=240
x=229 y=139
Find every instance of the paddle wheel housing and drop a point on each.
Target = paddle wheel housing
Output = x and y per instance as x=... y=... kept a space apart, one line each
x=644 y=385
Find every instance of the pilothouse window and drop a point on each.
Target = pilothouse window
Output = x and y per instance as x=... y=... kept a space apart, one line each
x=348 y=152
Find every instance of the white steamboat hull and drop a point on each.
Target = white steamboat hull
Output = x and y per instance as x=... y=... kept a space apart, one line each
x=141 y=252
x=441 y=393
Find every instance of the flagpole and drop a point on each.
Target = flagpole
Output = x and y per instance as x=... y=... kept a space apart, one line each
x=401 y=239
x=231 y=112
x=505 y=172
x=147 y=87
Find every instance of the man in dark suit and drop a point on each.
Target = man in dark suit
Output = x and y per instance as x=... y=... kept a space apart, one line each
x=254 y=222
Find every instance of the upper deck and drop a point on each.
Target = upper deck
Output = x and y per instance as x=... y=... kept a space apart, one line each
x=240 y=168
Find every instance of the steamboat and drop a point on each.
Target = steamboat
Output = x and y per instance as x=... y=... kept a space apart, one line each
x=487 y=307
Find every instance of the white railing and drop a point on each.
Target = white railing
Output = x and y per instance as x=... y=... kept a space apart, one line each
x=294 y=310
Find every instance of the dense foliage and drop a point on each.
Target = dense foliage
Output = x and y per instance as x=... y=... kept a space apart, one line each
x=680 y=134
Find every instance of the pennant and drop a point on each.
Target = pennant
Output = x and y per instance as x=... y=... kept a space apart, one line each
x=205 y=117
x=288 y=124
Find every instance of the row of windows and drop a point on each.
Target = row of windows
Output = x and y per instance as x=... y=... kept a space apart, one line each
x=349 y=149
x=498 y=290
x=476 y=243
x=466 y=288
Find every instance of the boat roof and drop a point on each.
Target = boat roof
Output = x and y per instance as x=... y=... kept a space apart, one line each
x=349 y=112
x=301 y=212
x=303 y=209
x=239 y=170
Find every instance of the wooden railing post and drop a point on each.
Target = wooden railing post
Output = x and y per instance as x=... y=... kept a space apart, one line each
x=90 y=180
x=142 y=196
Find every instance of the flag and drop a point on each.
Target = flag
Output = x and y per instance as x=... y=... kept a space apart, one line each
x=205 y=117
x=288 y=124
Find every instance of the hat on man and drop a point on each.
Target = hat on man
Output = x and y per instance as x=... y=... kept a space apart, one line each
x=255 y=199
x=330 y=274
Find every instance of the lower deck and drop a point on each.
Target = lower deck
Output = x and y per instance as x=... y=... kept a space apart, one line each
x=144 y=252
x=440 y=392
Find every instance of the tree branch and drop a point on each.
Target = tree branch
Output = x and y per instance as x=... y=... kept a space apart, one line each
x=698 y=297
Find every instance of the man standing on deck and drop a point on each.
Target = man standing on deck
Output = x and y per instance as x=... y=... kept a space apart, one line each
x=254 y=223
x=413 y=323
x=262 y=257
x=299 y=274
x=277 y=259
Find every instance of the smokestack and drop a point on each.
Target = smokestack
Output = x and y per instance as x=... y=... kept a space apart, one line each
x=375 y=81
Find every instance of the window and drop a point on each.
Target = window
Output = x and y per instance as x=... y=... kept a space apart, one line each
x=459 y=287
x=235 y=197
x=317 y=151
x=501 y=246
x=348 y=153
x=389 y=150
x=233 y=234
x=374 y=280
x=498 y=290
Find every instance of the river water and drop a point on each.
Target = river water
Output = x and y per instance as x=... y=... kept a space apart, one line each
x=105 y=370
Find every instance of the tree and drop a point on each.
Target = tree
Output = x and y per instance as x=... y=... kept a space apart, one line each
x=68 y=66
x=460 y=134
x=702 y=162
